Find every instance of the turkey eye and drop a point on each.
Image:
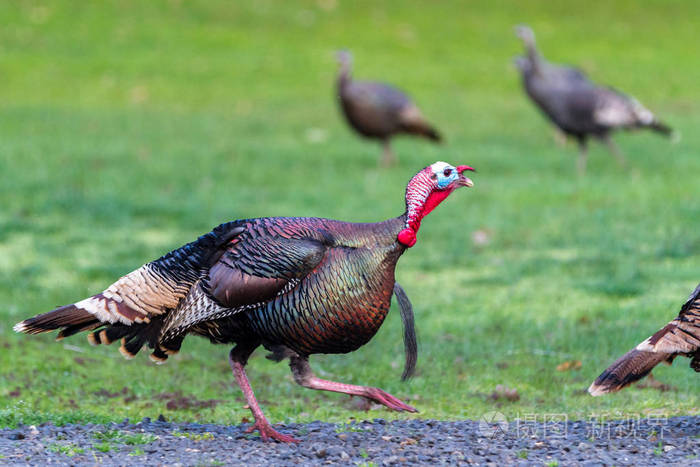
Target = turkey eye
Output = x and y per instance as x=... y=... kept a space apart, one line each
x=447 y=172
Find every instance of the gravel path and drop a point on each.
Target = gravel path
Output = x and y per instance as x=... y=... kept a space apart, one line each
x=674 y=441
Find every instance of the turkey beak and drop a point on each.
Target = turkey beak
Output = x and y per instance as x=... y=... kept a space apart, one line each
x=462 y=180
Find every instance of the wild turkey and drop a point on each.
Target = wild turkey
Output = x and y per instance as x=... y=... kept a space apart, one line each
x=297 y=286
x=578 y=106
x=378 y=110
x=679 y=337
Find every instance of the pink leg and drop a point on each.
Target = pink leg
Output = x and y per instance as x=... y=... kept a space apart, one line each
x=388 y=157
x=304 y=376
x=238 y=361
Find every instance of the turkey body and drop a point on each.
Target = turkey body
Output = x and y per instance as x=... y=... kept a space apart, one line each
x=311 y=285
x=566 y=97
x=582 y=109
x=379 y=111
x=576 y=105
x=334 y=303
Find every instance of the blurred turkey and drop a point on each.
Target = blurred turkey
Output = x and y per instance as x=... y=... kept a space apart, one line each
x=679 y=337
x=576 y=105
x=297 y=286
x=378 y=110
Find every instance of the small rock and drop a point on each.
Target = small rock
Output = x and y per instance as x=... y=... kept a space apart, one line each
x=409 y=442
x=344 y=455
x=390 y=460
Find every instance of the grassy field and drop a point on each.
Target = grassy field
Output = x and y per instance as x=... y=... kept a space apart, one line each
x=129 y=128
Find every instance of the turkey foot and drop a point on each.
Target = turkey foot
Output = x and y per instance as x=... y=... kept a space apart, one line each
x=237 y=359
x=377 y=395
x=267 y=432
x=304 y=376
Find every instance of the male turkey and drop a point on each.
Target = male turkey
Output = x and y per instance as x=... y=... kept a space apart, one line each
x=297 y=286
x=378 y=110
x=578 y=106
x=679 y=337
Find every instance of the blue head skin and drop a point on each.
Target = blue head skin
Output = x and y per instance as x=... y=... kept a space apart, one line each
x=445 y=174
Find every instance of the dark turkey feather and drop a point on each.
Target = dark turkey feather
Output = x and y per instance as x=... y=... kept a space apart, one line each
x=409 y=332
x=661 y=128
x=680 y=337
x=629 y=368
x=67 y=317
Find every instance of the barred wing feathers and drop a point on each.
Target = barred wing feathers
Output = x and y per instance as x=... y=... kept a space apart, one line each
x=252 y=271
x=679 y=337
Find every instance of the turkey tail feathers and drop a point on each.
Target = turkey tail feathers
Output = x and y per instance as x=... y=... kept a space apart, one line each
x=409 y=332
x=631 y=367
x=422 y=128
x=432 y=133
x=70 y=318
x=666 y=130
x=412 y=121
x=662 y=128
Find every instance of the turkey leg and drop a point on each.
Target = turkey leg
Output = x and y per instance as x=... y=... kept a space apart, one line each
x=388 y=157
x=615 y=151
x=304 y=376
x=582 y=156
x=238 y=359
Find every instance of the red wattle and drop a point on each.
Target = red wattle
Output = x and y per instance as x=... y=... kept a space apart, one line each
x=407 y=237
x=435 y=198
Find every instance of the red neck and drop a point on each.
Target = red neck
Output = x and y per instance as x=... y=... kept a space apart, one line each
x=435 y=198
x=421 y=199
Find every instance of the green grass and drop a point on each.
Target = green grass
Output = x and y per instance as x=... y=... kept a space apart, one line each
x=206 y=436
x=129 y=128
x=66 y=449
x=122 y=437
x=109 y=440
